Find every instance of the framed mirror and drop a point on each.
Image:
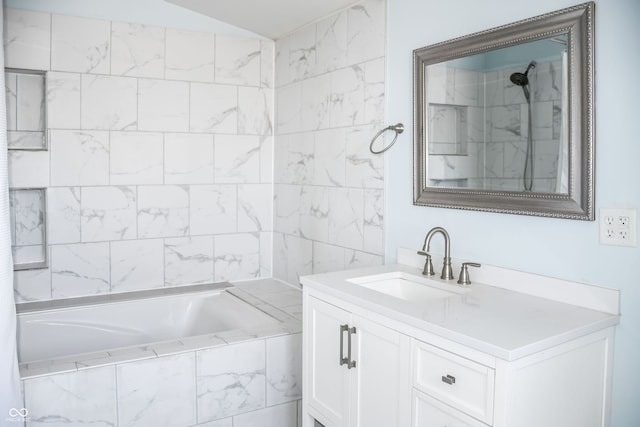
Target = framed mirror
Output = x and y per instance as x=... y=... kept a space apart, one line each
x=503 y=118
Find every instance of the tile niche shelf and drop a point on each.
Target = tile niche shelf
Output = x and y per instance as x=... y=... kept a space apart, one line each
x=28 y=228
x=26 y=109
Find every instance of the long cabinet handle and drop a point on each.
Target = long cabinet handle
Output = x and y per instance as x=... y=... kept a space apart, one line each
x=344 y=360
x=352 y=363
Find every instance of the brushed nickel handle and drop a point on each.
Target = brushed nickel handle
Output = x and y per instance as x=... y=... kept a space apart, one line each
x=449 y=379
x=351 y=363
x=344 y=360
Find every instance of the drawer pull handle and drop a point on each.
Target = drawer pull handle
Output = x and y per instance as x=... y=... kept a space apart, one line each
x=343 y=360
x=449 y=379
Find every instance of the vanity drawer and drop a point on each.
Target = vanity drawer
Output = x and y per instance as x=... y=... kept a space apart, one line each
x=462 y=383
x=428 y=412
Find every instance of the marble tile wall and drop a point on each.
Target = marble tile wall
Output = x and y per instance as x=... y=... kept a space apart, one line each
x=490 y=128
x=159 y=168
x=247 y=383
x=330 y=80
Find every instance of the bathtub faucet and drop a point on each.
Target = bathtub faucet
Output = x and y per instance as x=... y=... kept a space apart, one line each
x=447 y=271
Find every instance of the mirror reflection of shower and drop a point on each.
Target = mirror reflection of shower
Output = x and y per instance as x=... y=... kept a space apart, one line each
x=522 y=80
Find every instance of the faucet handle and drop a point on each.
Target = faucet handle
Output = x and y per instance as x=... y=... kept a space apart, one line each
x=428 y=265
x=464 y=279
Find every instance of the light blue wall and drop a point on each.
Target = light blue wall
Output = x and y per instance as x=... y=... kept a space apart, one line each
x=149 y=12
x=553 y=247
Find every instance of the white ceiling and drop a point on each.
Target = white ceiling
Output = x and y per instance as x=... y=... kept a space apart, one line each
x=269 y=18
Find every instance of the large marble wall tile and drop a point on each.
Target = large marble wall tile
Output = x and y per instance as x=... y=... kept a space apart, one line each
x=28 y=169
x=189 y=55
x=327 y=258
x=255 y=207
x=79 y=269
x=88 y=53
x=295 y=158
x=292 y=257
x=63 y=100
x=237 y=256
x=188 y=260
x=274 y=416
x=374 y=94
x=504 y=123
x=346 y=221
x=316 y=96
x=27 y=39
x=330 y=158
x=163 y=211
x=373 y=226
x=108 y=213
x=331 y=48
x=230 y=380
x=32 y=285
x=546 y=159
x=302 y=53
x=255 y=111
x=188 y=158
x=136 y=158
x=213 y=108
x=137 y=50
x=289 y=109
x=287 y=208
x=63 y=215
x=137 y=264
x=358 y=259
x=267 y=58
x=347 y=96
x=85 y=397
x=541 y=121
x=157 y=392
x=266 y=158
x=363 y=169
x=79 y=157
x=366 y=31
x=212 y=209
x=315 y=213
x=237 y=60
x=466 y=88
x=163 y=105
x=237 y=158
x=281 y=62
x=109 y=102
x=266 y=254
x=11 y=100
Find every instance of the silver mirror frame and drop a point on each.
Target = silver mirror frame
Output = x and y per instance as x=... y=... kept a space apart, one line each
x=578 y=23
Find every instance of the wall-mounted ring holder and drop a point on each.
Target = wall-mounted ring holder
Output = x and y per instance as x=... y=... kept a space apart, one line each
x=397 y=128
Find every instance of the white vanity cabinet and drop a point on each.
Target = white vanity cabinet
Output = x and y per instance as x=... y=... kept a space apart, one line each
x=374 y=361
x=355 y=370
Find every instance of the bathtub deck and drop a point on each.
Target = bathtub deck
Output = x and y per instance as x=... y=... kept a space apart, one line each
x=278 y=299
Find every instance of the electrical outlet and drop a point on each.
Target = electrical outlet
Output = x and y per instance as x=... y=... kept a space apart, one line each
x=618 y=227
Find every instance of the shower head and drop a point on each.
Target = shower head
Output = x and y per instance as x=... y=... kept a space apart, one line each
x=522 y=79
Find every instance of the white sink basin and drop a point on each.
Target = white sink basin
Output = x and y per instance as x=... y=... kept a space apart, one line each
x=407 y=286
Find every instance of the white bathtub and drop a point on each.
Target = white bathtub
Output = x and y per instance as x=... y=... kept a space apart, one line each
x=139 y=318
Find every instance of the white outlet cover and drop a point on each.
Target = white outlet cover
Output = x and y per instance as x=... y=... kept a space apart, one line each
x=614 y=231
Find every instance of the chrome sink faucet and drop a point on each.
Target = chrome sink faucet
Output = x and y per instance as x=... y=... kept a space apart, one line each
x=447 y=271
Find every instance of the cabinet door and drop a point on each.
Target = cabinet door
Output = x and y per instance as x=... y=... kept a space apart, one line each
x=328 y=386
x=380 y=378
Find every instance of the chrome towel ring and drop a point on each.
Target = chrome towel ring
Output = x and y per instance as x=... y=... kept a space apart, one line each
x=397 y=128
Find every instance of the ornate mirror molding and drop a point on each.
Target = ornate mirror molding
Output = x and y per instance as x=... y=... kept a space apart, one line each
x=503 y=118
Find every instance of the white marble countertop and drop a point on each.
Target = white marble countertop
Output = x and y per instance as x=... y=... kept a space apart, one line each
x=500 y=322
